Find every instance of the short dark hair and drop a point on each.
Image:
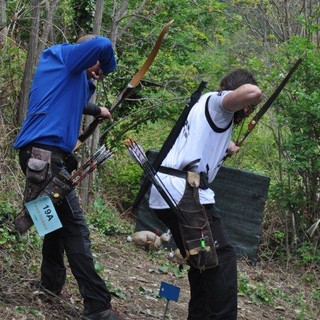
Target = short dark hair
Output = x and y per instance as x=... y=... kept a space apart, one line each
x=234 y=80
x=237 y=78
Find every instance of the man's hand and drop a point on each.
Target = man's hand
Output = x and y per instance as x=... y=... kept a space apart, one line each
x=95 y=72
x=233 y=148
x=105 y=113
x=97 y=75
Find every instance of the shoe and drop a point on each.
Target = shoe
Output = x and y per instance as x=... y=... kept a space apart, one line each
x=48 y=296
x=109 y=314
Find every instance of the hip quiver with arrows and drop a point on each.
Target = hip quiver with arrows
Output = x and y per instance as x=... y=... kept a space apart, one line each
x=40 y=182
x=195 y=228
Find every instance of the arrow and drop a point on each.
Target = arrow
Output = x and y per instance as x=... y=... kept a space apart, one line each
x=136 y=152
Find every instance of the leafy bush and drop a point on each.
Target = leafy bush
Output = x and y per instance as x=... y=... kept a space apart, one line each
x=307 y=254
x=107 y=220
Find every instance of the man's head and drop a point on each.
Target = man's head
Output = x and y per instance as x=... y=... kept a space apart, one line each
x=94 y=71
x=233 y=81
x=86 y=38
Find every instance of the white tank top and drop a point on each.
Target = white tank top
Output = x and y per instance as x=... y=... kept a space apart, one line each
x=200 y=146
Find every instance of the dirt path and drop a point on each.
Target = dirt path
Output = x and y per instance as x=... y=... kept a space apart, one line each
x=134 y=276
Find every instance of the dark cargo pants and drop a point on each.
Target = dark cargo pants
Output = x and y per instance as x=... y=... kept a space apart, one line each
x=213 y=291
x=72 y=239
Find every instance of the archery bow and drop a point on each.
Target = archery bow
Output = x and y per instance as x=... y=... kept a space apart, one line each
x=128 y=89
x=269 y=102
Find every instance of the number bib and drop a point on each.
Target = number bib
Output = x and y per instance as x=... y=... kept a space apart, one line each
x=43 y=215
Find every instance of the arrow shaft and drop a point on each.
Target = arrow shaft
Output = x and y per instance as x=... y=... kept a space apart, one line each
x=147 y=167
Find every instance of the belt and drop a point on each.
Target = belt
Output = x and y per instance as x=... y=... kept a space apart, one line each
x=56 y=152
x=204 y=184
x=173 y=172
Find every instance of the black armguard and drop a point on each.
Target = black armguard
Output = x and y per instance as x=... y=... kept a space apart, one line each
x=92 y=109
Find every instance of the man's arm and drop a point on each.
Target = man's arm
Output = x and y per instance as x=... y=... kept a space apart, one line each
x=80 y=57
x=247 y=94
x=96 y=111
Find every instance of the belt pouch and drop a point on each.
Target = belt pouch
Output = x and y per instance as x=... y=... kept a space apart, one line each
x=38 y=173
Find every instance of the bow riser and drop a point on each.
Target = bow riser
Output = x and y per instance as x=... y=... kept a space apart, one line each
x=128 y=89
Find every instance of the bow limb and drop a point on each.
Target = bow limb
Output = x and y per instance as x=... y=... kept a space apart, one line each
x=142 y=71
x=129 y=88
x=269 y=102
x=139 y=75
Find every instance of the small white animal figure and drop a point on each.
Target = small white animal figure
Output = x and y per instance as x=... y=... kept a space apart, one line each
x=149 y=240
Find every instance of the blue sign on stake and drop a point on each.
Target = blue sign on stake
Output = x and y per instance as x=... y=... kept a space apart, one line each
x=169 y=291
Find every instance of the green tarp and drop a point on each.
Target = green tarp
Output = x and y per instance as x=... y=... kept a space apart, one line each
x=241 y=197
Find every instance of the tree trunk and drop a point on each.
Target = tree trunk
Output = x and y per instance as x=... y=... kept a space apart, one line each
x=3 y=22
x=30 y=61
x=96 y=30
x=118 y=15
x=51 y=6
x=92 y=142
